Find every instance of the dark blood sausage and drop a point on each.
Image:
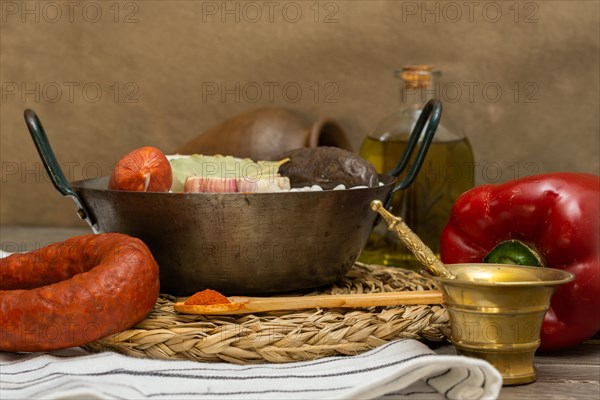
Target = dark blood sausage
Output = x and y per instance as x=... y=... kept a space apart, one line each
x=327 y=167
x=74 y=292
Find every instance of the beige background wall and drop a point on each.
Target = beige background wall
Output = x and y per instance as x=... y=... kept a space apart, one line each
x=153 y=61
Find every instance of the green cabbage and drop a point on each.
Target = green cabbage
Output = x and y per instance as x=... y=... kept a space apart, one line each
x=219 y=167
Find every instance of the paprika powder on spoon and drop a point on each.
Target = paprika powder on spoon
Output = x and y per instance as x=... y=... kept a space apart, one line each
x=207 y=297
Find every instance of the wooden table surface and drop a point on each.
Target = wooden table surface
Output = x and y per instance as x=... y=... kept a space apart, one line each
x=571 y=374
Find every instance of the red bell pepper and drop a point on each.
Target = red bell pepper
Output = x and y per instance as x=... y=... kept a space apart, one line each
x=549 y=220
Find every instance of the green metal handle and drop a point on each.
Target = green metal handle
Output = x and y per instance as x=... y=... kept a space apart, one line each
x=432 y=111
x=40 y=139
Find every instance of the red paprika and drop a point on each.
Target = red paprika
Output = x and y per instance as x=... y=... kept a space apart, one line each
x=207 y=297
x=549 y=220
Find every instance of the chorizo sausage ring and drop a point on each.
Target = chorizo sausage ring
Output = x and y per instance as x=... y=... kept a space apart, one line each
x=74 y=292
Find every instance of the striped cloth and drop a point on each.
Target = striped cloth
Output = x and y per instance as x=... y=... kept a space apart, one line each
x=404 y=369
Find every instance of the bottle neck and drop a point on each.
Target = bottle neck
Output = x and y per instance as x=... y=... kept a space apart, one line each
x=414 y=95
x=418 y=85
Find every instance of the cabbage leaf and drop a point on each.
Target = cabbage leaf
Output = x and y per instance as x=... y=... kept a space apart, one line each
x=219 y=166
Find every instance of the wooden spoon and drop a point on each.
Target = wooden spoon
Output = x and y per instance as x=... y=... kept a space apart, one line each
x=249 y=305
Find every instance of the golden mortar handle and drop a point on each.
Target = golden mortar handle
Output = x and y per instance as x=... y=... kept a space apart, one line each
x=412 y=241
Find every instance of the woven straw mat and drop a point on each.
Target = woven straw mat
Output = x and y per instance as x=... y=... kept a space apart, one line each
x=286 y=336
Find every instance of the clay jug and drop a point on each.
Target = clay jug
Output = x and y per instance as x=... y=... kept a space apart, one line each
x=263 y=133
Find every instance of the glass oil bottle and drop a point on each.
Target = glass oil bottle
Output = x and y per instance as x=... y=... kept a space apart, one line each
x=448 y=171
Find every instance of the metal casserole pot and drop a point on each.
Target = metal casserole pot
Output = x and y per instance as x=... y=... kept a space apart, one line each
x=240 y=243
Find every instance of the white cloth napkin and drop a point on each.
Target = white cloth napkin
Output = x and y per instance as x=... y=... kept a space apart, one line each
x=403 y=369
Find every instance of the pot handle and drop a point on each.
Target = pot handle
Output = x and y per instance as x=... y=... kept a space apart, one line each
x=53 y=167
x=432 y=111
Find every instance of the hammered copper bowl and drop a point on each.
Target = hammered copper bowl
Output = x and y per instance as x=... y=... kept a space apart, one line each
x=240 y=243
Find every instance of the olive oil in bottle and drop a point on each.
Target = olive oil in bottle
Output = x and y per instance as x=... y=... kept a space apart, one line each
x=445 y=174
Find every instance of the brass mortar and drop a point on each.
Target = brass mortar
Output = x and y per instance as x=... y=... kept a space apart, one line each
x=496 y=310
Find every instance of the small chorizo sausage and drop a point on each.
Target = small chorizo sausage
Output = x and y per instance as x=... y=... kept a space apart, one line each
x=145 y=169
x=74 y=292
